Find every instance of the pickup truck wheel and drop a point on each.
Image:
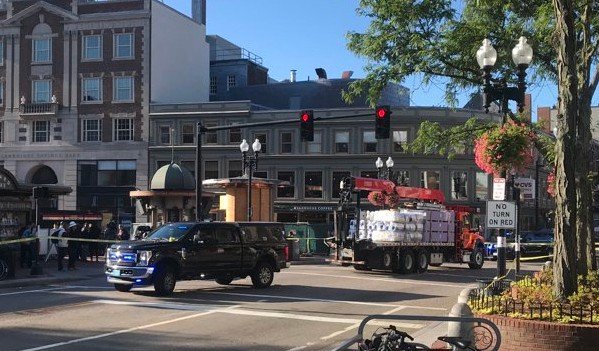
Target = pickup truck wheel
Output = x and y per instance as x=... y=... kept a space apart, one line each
x=477 y=258
x=224 y=280
x=263 y=275
x=123 y=287
x=164 y=281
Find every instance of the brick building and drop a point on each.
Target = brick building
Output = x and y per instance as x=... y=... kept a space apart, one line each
x=76 y=82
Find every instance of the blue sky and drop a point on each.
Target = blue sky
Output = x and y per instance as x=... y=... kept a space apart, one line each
x=306 y=34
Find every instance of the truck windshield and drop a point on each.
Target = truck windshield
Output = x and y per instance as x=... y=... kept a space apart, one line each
x=170 y=232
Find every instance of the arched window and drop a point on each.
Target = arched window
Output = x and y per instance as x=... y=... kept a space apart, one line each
x=44 y=175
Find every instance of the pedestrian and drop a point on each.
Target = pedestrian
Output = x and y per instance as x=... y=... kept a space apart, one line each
x=27 y=247
x=84 y=245
x=122 y=234
x=110 y=233
x=94 y=247
x=62 y=247
x=72 y=233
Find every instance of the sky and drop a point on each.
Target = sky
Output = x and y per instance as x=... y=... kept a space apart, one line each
x=307 y=34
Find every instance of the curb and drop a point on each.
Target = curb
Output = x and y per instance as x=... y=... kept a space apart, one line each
x=17 y=283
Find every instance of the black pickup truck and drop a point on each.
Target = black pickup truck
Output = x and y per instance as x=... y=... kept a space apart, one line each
x=204 y=250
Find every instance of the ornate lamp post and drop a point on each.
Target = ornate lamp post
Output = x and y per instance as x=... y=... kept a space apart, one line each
x=384 y=173
x=250 y=164
x=498 y=90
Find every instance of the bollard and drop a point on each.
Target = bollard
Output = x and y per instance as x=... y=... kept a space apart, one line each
x=461 y=329
x=464 y=295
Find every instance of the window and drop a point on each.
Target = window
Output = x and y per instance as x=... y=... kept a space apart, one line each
x=41 y=91
x=315 y=147
x=165 y=135
x=42 y=50
x=369 y=141
x=231 y=82
x=87 y=173
x=188 y=134
x=313 y=184
x=91 y=89
x=41 y=131
x=211 y=170
x=123 y=129
x=1 y=93
x=1 y=52
x=123 y=46
x=430 y=179
x=1 y=132
x=482 y=186
x=116 y=173
x=287 y=190
x=260 y=174
x=459 y=185
x=342 y=142
x=262 y=137
x=92 y=47
x=234 y=135
x=402 y=178
x=286 y=142
x=400 y=140
x=212 y=136
x=335 y=181
x=213 y=85
x=92 y=130
x=235 y=169
x=123 y=89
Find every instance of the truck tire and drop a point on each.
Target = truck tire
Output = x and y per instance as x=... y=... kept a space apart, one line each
x=123 y=287
x=388 y=261
x=407 y=261
x=477 y=258
x=361 y=267
x=224 y=280
x=422 y=261
x=165 y=280
x=263 y=275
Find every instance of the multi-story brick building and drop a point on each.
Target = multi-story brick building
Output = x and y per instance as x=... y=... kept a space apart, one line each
x=76 y=81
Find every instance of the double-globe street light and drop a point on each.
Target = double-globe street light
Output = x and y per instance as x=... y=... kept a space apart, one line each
x=250 y=164
x=498 y=90
x=384 y=173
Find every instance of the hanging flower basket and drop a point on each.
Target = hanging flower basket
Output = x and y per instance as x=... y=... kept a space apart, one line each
x=392 y=200
x=376 y=198
x=505 y=148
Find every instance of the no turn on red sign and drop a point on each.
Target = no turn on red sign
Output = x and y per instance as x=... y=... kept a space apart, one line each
x=501 y=215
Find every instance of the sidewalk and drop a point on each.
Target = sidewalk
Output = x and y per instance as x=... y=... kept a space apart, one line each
x=51 y=275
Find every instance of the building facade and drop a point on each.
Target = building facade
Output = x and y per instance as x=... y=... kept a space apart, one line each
x=341 y=147
x=77 y=79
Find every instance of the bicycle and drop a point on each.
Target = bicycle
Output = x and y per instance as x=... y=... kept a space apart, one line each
x=392 y=339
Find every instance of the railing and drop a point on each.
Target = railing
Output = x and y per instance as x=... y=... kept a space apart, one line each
x=46 y=108
x=238 y=53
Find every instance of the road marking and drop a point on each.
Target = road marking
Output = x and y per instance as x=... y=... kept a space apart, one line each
x=30 y=291
x=409 y=281
x=99 y=336
x=351 y=327
x=298 y=348
x=164 y=305
x=326 y=300
x=305 y=317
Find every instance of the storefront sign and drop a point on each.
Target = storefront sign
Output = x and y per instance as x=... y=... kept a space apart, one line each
x=304 y=208
x=526 y=186
x=14 y=206
x=42 y=155
x=5 y=182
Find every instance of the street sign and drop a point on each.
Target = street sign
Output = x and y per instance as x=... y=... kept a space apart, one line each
x=527 y=188
x=499 y=189
x=501 y=215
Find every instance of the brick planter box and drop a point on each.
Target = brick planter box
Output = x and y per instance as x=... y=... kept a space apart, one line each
x=527 y=335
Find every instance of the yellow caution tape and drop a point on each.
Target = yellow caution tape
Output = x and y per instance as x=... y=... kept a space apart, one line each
x=14 y=241
x=45 y=237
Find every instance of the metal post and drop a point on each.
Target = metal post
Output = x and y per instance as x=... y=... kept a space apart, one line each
x=501 y=241
x=516 y=195
x=537 y=166
x=250 y=171
x=199 y=175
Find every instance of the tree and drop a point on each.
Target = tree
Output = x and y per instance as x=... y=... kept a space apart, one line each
x=435 y=39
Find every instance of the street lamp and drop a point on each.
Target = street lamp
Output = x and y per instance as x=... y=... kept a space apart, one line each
x=498 y=89
x=386 y=173
x=250 y=164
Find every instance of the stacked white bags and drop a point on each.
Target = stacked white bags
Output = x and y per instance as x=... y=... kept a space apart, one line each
x=392 y=225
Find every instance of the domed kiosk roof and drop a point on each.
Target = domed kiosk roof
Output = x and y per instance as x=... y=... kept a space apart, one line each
x=172 y=177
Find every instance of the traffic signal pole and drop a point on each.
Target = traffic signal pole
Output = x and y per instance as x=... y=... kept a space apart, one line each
x=201 y=129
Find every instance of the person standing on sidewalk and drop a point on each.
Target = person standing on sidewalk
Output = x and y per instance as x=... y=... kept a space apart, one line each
x=62 y=246
x=72 y=233
x=94 y=247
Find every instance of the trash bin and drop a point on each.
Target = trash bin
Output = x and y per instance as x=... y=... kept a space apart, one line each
x=294 y=249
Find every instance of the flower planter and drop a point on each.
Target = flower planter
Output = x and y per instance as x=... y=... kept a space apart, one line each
x=527 y=335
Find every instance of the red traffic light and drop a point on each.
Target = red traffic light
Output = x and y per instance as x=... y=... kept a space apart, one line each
x=305 y=117
x=381 y=113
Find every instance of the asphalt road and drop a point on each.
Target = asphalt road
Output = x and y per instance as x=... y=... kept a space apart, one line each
x=309 y=307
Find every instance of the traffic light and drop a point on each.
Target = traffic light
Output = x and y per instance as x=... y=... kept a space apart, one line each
x=41 y=192
x=307 y=125
x=383 y=122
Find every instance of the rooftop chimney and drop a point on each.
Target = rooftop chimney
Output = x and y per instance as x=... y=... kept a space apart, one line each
x=293 y=74
x=198 y=11
x=321 y=73
x=347 y=74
